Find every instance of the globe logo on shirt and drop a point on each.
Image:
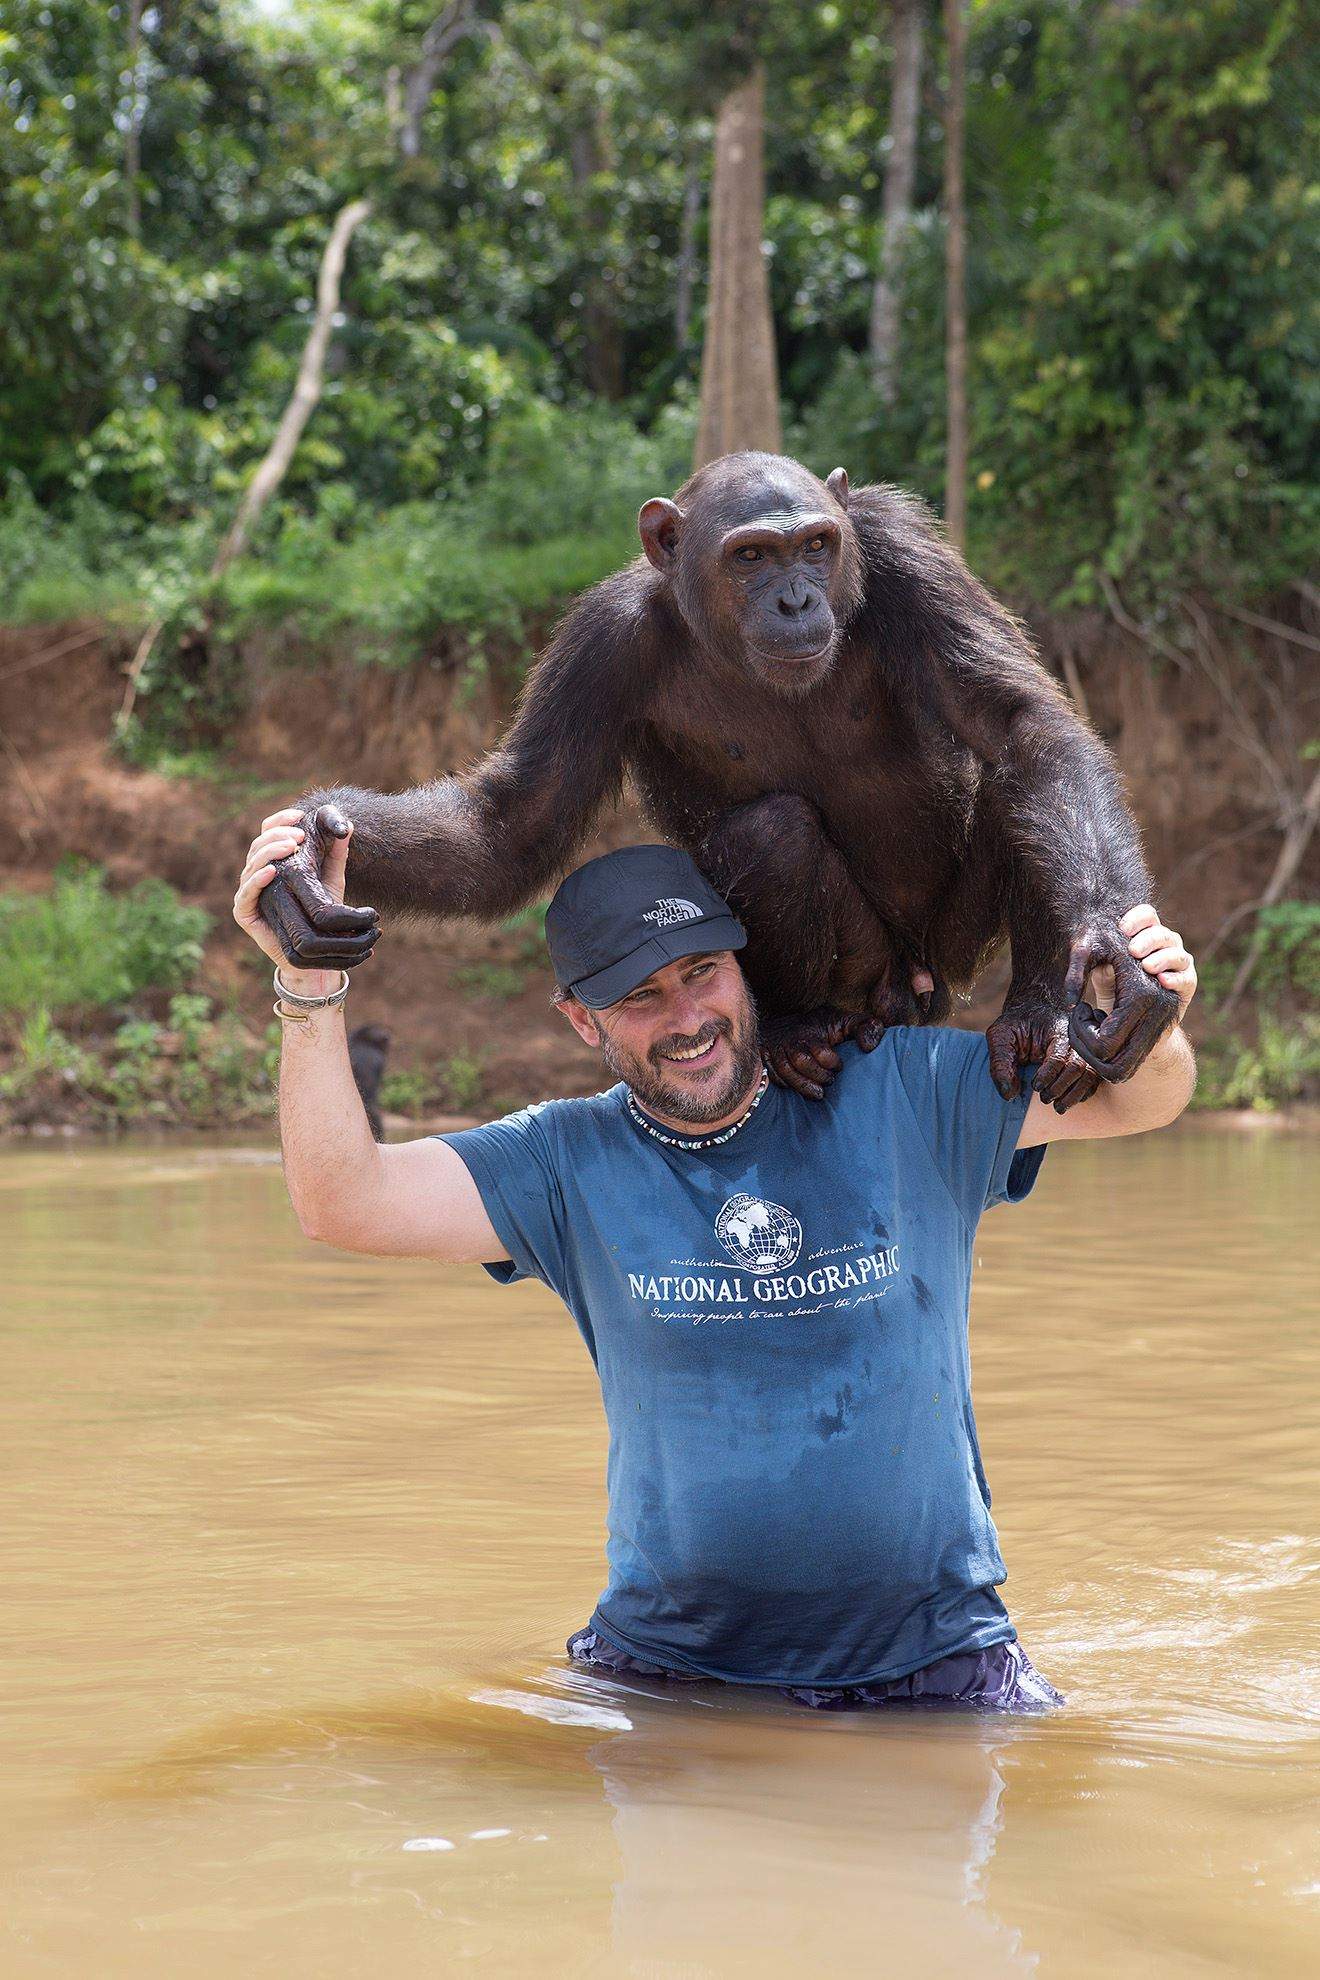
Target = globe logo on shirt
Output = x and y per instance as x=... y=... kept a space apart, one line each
x=760 y=1236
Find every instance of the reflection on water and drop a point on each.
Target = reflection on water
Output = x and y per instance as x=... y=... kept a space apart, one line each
x=295 y=1540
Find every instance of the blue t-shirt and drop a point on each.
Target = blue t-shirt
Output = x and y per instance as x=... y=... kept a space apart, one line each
x=779 y=1324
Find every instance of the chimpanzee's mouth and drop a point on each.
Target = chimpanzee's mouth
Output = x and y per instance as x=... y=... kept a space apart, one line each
x=783 y=658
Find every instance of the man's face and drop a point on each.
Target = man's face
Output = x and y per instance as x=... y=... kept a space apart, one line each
x=686 y=1040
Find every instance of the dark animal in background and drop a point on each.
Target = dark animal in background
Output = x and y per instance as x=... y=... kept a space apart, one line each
x=368 y=1049
x=816 y=698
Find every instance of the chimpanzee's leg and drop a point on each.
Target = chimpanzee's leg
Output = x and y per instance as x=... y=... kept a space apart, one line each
x=822 y=965
x=993 y=896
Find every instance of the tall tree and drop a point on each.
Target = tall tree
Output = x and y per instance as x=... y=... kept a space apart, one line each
x=133 y=120
x=591 y=161
x=739 y=375
x=306 y=392
x=900 y=178
x=955 y=276
x=418 y=85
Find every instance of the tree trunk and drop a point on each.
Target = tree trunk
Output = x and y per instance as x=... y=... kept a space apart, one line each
x=590 y=156
x=306 y=392
x=955 y=277
x=444 y=32
x=739 y=378
x=900 y=178
x=132 y=129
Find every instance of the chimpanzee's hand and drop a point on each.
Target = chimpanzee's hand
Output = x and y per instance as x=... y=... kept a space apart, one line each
x=315 y=930
x=1114 y=1043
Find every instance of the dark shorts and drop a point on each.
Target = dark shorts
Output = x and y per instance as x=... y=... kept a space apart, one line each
x=1000 y=1679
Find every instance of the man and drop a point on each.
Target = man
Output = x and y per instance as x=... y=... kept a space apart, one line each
x=774 y=1289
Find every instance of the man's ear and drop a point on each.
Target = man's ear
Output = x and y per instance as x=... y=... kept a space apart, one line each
x=659 y=524
x=580 y=1018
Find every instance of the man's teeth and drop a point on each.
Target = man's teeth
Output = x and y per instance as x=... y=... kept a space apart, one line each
x=696 y=1052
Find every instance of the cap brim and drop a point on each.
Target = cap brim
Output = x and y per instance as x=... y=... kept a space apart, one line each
x=667 y=945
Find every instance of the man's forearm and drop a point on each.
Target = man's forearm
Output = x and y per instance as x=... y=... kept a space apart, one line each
x=331 y=1161
x=1155 y=1095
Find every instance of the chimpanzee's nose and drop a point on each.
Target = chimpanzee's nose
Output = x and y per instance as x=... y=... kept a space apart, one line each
x=794 y=599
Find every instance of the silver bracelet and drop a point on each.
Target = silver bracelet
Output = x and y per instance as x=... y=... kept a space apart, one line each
x=301 y=1007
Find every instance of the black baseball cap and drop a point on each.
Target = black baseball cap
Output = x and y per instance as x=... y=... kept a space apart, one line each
x=622 y=916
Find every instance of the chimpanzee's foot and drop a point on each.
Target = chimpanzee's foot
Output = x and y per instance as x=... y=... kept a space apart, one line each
x=1035 y=1033
x=799 y=1050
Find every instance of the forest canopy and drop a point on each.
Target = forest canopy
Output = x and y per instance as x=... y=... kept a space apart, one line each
x=514 y=360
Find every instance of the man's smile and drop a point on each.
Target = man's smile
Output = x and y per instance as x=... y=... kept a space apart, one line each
x=695 y=1056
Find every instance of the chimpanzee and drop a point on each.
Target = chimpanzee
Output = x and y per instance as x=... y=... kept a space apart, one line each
x=368 y=1049
x=816 y=698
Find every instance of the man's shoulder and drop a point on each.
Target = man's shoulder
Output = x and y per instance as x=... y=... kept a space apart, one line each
x=570 y=1119
x=915 y=1056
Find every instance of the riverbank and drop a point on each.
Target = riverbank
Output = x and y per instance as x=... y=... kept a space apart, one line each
x=468 y=1007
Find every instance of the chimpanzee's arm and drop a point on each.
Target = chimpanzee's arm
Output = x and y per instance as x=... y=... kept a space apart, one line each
x=1049 y=783
x=485 y=842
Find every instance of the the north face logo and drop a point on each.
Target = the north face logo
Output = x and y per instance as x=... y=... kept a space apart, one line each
x=763 y=1237
x=668 y=913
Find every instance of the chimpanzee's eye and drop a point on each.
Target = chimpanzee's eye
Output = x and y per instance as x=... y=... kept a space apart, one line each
x=750 y=554
x=816 y=543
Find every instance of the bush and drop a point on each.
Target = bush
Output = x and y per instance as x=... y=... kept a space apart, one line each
x=1283 y=1062
x=80 y=946
x=554 y=512
x=456 y=1085
x=1283 y=1065
x=90 y=561
x=195 y=1069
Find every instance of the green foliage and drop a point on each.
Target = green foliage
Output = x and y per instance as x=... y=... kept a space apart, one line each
x=1284 y=941
x=553 y=512
x=1143 y=333
x=561 y=471
x=91 y=561
x=522 y=951
x=500 y=981
x=81 y=947
x=196 y=1069
x=1281 y=1065
x=45 y=1054
x=505 y=384
x=404 y=1092
x=454 y=1085
x=1289 y=958
x=462 y=1080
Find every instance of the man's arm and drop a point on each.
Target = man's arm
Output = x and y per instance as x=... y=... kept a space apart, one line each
x=1163 y=1084
x=413 y=1200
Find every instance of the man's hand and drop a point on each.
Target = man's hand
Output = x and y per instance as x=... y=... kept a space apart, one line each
x=1163 y=1083
x=1159 y=951
x=280 y=835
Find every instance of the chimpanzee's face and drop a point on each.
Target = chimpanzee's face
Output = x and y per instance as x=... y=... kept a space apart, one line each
x=763 y=563
x=775 y=574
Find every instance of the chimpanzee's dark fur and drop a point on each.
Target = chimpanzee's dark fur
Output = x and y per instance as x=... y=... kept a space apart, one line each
x=368 y=1049
x=903 y=795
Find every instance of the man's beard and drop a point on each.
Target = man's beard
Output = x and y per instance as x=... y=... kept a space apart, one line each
x=647 y=1078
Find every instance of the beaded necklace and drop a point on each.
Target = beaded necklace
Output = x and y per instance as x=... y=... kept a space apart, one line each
x=706 y=1140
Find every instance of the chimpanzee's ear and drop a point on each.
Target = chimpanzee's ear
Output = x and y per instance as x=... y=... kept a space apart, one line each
x=659 y=523
x=837 y=483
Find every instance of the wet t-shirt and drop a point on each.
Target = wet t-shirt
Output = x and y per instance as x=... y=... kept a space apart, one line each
x=779 y=1323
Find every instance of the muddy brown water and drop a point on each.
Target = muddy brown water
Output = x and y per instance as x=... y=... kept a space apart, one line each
x=294 y=1540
